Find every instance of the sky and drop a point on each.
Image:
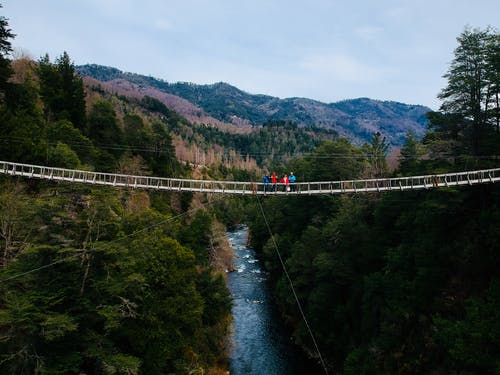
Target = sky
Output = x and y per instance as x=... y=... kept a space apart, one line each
x=327 y=50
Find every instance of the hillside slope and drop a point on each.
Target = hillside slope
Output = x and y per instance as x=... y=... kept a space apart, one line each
x=219 y=103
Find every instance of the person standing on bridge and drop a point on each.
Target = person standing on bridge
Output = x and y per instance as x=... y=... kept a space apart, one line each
x=266 y=181
x=286 y=183
x=274 y=180
x=292 y=179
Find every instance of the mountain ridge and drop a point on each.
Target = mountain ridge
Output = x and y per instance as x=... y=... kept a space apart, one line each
x=221 y=103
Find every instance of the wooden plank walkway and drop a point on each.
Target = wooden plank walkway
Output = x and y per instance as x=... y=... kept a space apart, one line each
x=249 y=188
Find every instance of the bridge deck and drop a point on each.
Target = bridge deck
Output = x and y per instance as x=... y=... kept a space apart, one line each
x=242 y=188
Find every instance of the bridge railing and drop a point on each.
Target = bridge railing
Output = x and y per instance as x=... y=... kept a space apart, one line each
x=385 y=184
x=238 y=187
x=122 y=180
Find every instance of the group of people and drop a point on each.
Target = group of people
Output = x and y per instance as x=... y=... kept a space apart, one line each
x=287 y=181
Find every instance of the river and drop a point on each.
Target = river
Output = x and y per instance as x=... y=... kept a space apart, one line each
x=261 y=343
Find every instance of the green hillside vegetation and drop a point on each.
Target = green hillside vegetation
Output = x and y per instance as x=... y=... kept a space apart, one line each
x=402 y=282
x=98 y=280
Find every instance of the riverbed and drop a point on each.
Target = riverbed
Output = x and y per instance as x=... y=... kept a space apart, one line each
x=261 y=343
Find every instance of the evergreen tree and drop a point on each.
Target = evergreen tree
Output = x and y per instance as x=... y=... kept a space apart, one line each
x=74 y=96
x=50 y=88
x=472 y=88
x=64 y=131
x=332 y=161
x=5 y=35
x=493 y=77
x=62 y=91
x=376 y=152
x=104 y=131
x=410 y=154
x=5 y=49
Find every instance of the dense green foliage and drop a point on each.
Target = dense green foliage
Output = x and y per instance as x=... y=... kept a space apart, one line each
x=61 y=91
x=5 y=48
x=106 y=295
x=473 y=89
x=402 y=283
x=405 y=283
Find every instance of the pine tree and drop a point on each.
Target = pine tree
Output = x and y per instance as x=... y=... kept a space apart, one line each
x=376 y=151
x=62 y=91
x=473 y=82
x=5 y=49
x=410 y=154
x=74 y=95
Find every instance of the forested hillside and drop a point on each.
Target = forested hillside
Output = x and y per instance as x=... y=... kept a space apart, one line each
x=98 y=280
x=404 y=282
x=355 y=119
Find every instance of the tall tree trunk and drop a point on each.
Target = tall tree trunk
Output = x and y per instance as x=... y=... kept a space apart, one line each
x=497 y=112
x=7 y=236
x=85 y=274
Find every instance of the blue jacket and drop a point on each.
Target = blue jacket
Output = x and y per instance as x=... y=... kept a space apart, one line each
x=292 y=179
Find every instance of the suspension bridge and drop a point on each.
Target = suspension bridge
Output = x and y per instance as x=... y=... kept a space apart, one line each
x=242 y=188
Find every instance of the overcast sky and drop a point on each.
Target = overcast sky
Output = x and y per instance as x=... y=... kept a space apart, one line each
x=327 y=50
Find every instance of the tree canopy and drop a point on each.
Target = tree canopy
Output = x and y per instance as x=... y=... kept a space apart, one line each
x=472 y=90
